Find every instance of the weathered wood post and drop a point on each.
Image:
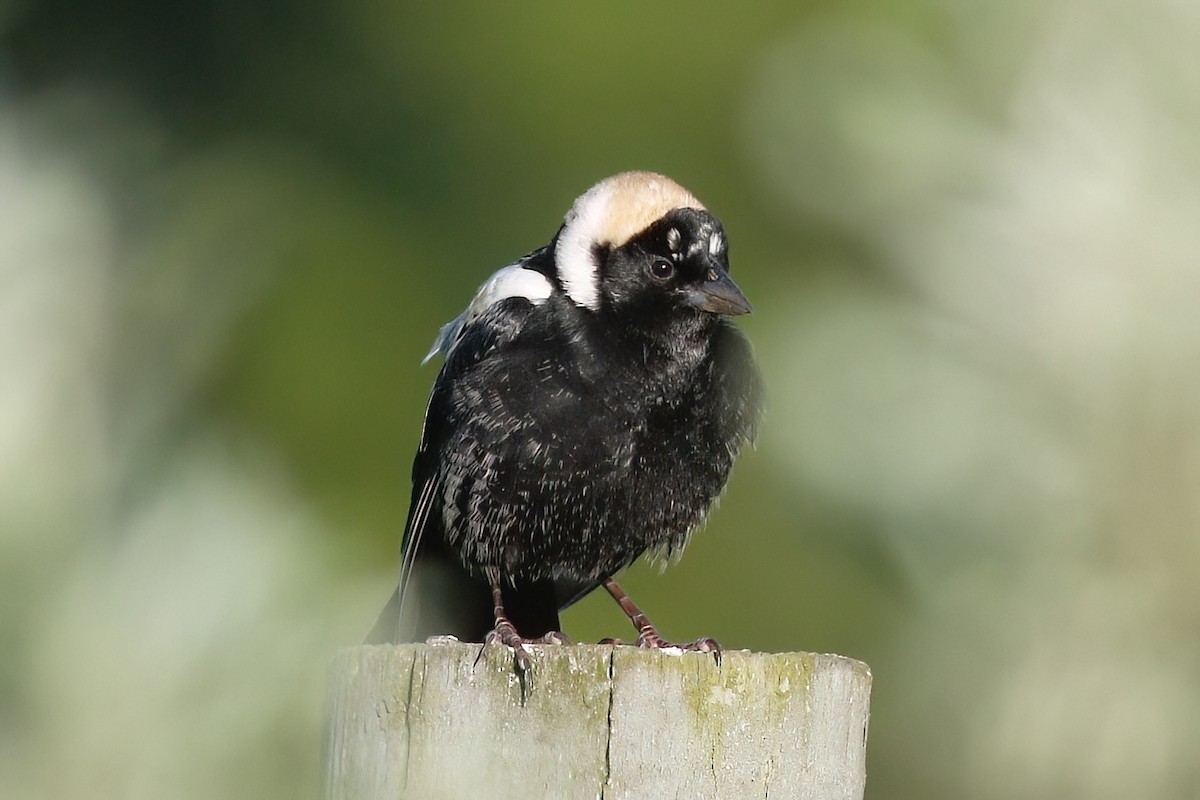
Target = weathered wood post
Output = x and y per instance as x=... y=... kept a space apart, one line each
x=436 y=721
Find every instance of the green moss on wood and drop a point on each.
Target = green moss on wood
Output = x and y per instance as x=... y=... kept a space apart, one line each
x=453 y=720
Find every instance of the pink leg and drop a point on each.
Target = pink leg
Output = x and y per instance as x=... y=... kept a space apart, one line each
x=506 y=633
x=648 y=635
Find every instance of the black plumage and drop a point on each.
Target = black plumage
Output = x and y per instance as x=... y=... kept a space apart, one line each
x=589 y=410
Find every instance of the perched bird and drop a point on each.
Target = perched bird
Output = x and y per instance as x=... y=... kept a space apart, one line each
x=590 y=406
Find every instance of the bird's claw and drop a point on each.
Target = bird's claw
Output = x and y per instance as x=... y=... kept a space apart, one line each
x=650 y=639
x=505 y=633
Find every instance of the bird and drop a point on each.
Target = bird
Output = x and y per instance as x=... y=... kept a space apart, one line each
x=591 y=402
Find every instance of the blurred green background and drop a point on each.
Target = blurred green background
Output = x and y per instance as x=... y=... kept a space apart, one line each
x=971 y=232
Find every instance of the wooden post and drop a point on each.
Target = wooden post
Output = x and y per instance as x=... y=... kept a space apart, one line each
x=437 y=721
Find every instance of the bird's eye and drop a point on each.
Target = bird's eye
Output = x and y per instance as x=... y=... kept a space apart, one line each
x=662 y=269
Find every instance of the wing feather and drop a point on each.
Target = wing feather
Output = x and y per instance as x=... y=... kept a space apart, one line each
x=492 y=319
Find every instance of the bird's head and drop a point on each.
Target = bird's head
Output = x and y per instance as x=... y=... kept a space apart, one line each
x=638 y=241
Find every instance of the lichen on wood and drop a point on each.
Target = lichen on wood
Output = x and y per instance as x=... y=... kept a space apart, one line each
x=452 y=720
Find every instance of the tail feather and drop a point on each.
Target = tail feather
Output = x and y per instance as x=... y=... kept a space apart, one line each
x=442 y=598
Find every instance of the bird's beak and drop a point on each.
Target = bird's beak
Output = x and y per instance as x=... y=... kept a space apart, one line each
x=719 y=295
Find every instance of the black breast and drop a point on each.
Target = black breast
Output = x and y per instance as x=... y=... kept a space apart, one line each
x=549 y=468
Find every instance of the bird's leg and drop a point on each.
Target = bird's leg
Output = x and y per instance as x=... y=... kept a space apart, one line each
x=506 y=633
x=648 y=635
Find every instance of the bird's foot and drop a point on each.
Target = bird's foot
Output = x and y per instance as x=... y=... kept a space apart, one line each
x=650 y=639
x=648 y=636
x=505 y=633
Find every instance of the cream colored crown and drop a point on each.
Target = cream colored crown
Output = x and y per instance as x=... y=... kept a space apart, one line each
x=629 y=203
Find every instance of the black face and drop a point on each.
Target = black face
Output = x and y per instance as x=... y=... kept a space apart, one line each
x=678 y=264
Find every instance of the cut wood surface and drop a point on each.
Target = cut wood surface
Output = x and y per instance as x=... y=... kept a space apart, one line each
x=436 y=721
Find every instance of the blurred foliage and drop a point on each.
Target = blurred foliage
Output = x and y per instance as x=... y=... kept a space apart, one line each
x=231 y=230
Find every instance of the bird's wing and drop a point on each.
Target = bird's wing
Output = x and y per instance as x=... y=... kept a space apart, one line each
x=493 y=319
x=520 y=280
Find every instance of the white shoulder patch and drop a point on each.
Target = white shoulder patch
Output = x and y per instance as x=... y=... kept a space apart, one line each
x=511 y=281
x=515 y=280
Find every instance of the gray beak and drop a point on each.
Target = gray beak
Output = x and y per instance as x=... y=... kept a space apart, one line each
x=718 y=295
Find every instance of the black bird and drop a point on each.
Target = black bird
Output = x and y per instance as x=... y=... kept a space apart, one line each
x=591 y=404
